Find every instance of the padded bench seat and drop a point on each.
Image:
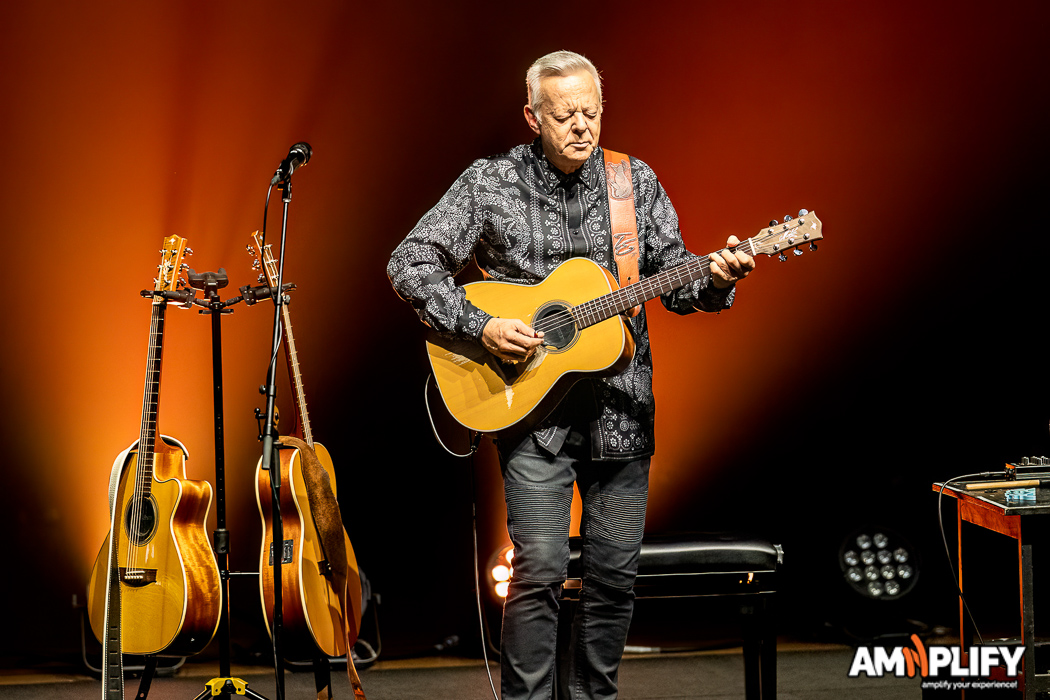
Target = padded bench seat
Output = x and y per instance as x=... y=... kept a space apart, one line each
x=704 y=564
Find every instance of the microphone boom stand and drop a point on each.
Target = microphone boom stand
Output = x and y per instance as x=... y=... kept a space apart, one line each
x=270 y=461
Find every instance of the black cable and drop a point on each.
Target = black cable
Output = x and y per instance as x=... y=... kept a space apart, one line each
x=474 y=441
x=477 y=564
x=433 y=427
x=948 y=551
x=277 y=551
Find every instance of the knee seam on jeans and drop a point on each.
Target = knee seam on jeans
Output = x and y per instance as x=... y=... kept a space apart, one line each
x=617 y=516
x=538 y=513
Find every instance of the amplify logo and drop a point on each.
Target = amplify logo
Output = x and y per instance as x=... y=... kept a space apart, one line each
x=939 y=662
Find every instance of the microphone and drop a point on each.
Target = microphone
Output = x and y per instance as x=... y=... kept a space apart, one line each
x=298 y=156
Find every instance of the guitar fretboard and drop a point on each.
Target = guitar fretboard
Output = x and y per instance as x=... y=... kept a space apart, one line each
x=273 y=277
x=150 y=400
x=613 y=303
x=297 y=378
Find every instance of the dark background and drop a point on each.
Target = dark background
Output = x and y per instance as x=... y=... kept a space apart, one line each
x=908 y=349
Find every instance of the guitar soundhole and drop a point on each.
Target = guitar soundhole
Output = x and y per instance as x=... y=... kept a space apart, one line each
x=140 y=520
x=557 y=324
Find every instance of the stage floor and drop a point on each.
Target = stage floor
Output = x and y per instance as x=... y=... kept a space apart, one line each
x=805 y=672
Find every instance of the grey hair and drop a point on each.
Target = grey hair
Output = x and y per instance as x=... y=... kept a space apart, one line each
x=557 y=63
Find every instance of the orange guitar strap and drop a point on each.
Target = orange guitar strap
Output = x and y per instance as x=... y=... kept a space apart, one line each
x=623 y=219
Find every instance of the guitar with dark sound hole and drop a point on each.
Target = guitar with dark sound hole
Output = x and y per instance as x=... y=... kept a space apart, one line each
x=578 y=307
x=154 y=588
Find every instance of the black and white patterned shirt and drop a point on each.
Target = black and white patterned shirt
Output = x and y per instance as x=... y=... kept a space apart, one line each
x=520 y=217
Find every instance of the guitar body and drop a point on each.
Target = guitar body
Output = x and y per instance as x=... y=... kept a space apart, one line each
x=172 y=607
x=311 y=604
x=486 y=394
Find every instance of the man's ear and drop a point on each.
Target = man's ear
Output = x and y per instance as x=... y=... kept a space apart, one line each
x=530 y=117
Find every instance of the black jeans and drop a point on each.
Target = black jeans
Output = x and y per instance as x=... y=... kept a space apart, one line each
x=538 y=489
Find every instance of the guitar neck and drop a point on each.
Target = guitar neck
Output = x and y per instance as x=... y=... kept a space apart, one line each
x=614 y=303
x=151 y=399
x=297 y=377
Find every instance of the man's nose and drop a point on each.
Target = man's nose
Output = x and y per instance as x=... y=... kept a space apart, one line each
x=579 y=123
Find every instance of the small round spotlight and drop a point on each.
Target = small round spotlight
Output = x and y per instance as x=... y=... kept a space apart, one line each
x=878 y=563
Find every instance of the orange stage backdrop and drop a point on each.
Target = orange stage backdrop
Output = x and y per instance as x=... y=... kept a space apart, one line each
x=903 y=351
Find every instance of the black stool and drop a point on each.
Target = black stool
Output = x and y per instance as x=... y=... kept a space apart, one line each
x=740 y=568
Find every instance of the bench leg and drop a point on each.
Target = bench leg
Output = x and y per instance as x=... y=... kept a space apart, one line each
x=760 y=651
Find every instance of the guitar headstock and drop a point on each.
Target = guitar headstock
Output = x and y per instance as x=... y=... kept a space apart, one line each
x=263 y=259
x=170 y=268
x=777 y=238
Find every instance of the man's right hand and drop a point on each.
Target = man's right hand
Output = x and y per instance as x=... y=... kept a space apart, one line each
x=510 y=339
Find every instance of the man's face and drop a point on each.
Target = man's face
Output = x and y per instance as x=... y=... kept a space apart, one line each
x=570 y=119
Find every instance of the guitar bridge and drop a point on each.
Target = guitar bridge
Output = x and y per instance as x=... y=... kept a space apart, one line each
x=137 y=577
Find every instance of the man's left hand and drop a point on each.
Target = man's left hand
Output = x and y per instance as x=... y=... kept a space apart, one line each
x=727 y=267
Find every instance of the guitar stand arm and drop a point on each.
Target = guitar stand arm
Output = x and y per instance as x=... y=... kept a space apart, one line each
x=182 y=297
x=253 y=295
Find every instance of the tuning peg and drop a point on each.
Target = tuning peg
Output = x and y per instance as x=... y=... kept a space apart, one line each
x=261 y=278
x=782 y=257
x=250 y=249
x=796 y=251
x=787 y=218
x=773 y=222
x=184 y=267
x=803 y=212
x=189 y=251
x=812 y=246
x=256 y=265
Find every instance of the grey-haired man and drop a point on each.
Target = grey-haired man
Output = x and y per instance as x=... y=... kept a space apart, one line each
x=519 y=215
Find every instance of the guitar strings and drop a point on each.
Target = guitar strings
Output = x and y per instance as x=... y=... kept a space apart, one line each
x=143 y=461
x=689 y=271
x=692 y=271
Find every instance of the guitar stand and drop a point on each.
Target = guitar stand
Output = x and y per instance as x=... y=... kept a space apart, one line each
x=226 y=687
x=210 y=283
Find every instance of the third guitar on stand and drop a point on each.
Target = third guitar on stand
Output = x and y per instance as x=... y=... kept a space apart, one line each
x=312 y=609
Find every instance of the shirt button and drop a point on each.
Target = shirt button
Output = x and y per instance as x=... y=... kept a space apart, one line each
x=576 y=232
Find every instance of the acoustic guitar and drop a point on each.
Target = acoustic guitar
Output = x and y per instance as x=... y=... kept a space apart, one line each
x=154 y=588
x=312 y=600
x=577 y=307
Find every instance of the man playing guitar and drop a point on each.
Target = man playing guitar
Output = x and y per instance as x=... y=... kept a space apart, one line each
x=520 y=215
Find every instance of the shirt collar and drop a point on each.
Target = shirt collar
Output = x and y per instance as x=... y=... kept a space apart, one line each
x=552 y=177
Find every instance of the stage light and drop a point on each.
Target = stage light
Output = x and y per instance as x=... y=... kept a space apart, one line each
x=500 y=571
x=878 y=564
